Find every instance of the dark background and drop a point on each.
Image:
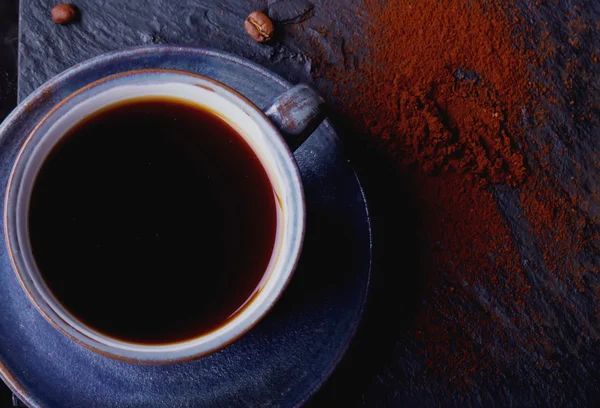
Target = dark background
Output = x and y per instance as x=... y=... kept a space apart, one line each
x=382 y=367
x=8 y=91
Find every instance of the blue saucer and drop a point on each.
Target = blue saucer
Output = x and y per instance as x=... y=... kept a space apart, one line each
x=279 y=363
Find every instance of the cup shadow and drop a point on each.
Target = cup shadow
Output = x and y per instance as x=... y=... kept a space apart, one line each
x=397 y=280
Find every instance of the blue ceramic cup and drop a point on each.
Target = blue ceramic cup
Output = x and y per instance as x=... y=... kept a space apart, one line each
x=272 y=134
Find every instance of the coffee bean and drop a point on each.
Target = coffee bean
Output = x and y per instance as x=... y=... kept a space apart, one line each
x=259 y=26
x=63 y=13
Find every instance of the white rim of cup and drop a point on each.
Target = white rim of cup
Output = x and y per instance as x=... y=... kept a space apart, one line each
x=282 y=171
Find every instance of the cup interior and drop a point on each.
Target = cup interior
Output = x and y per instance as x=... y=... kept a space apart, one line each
x=249 y=122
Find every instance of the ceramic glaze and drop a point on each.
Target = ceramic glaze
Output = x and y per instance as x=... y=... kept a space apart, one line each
x=260 y=134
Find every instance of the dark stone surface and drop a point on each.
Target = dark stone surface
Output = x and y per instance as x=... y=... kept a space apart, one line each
x=47 y=49
x=8 y=93
x=382 y=368
x=8 y=56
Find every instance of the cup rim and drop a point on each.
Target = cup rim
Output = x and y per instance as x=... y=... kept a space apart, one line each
x=81 y=338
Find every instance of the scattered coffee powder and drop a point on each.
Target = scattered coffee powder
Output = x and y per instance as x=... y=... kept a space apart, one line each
x=444 y=90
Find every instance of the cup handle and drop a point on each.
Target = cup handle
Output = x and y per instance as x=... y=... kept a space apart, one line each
x=297 y=113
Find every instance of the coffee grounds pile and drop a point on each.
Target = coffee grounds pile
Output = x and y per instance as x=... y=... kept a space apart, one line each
x=441 y=93
x=444 y=90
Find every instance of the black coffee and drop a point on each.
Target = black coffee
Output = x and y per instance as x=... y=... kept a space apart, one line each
x=153 y=221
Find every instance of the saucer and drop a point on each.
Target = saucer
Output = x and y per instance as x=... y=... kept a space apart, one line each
x=282 y=361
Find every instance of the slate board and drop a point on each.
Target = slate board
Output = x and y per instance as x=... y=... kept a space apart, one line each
x=382 y=368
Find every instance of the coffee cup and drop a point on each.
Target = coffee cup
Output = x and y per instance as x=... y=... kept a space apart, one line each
x=269 y=136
